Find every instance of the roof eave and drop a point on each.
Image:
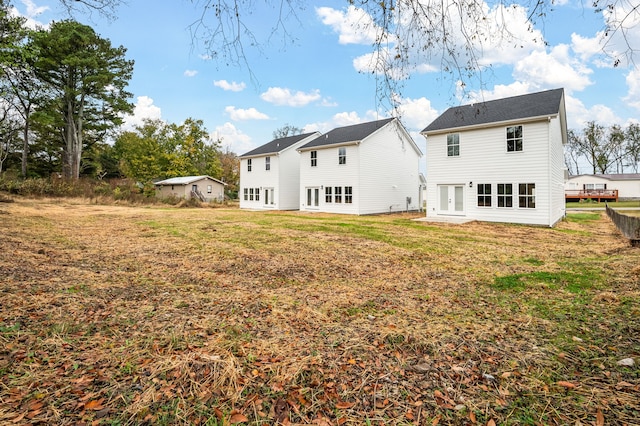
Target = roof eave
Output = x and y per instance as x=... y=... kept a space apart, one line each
x=491 y=124
x=264 y=154
x=333 y=145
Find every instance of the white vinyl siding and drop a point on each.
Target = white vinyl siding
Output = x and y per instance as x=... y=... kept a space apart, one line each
x=329 y=174
x=379 y=174
x=487 y=161
x=282 y=179
x=392 y=173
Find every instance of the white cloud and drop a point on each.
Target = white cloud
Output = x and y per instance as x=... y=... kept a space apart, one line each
x=341 y=119
x=379 y=62
x=233 y=86
x=144 y=108
x=585 y=47
x=578 y=114
x=623 y=21
x=354 y=26
x=499 y=91
x=33 y=10
x=190 y=73
x=245 y=114
x=633 y=82
x=31 y=14
x=233 y=139
x=552 y=70
x=284 y=96
x=416 y=114
x=503 y=37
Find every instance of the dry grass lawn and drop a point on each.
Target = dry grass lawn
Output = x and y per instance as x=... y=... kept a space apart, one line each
x=135 y=315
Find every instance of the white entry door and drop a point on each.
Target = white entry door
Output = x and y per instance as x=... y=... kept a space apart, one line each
x=313 y=198
x=451 y=199
x=269 y=197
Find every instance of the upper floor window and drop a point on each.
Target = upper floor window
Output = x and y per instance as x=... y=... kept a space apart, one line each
x=249 y=165
x=484 y=195
x=514 y=138
x=314 y=158
x=527 y=195
x=342 y=155
x=267 y=163
x=453 y=145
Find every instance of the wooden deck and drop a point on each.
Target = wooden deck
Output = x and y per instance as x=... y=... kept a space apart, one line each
x=591 y=194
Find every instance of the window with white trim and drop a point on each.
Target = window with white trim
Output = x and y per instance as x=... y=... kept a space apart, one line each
x=484 y=195
x=453 y=145
x=514 y=138
x=505 y=195
x=267 y=163
x=338 y=194
x=527 y=195
x=328 y=197
x=249 y=165
x=348 y=194
x=342 y=155
x=314 y=158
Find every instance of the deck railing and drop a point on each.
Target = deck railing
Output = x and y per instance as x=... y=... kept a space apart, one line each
x=629 y=226
x=594 y=194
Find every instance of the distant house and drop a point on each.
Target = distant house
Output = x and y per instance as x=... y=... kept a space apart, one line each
x=500 y=160
x=270 y=174
x=362 y=169
x=204 y=188
x=625 y=185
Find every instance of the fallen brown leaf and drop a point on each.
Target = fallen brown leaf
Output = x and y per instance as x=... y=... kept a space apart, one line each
x=566 y=384
x=343 y=405
x=95 y=405
x=238 y=418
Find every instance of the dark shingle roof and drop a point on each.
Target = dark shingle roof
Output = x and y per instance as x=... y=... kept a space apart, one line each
x=506 y=109
x=277 y=145
x=615 y=176
x=356 y=132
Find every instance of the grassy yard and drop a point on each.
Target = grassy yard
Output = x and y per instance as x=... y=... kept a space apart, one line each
x=135 y=315
x=595 y=204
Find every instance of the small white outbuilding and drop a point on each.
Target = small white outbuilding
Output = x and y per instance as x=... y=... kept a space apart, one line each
x=204 y=188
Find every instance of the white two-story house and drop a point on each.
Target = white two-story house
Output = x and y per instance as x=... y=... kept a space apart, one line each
x=361 y=169
x=500 y=160
x=270 y=174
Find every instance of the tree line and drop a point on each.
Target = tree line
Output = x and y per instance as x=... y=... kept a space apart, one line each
x=64 y=99
x=598 y=149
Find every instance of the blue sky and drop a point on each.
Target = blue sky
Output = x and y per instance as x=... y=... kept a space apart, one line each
x=314 y=83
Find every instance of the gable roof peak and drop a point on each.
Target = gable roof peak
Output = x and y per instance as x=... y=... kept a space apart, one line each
x=278 y=145
x=350 y=133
